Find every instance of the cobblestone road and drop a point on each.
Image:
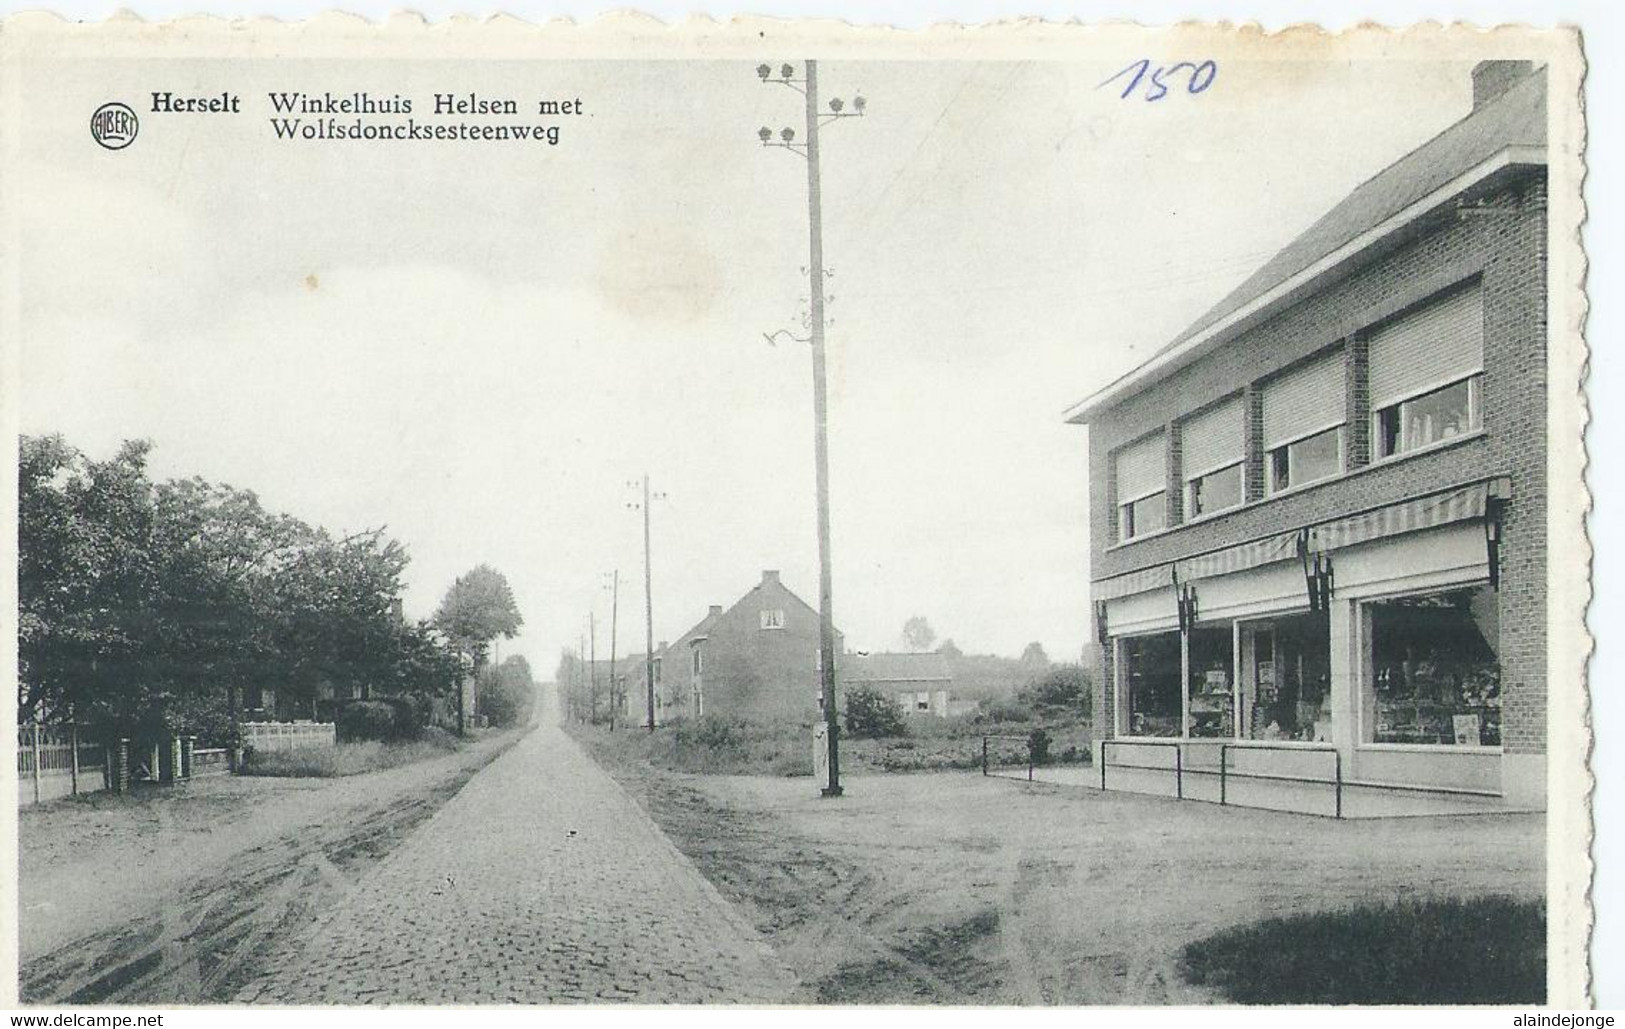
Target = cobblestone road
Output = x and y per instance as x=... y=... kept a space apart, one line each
x=542 y=881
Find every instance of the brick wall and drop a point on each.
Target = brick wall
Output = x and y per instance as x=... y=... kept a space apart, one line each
x=1505 y=247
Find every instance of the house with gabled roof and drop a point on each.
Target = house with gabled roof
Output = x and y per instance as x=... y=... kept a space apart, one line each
x=757 y=659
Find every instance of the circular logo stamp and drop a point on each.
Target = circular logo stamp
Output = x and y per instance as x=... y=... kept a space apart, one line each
x=114 y=126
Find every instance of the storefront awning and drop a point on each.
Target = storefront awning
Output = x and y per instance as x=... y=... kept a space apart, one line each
x=1463 y=503
x=1459 y=505
x=1145 y=579
x=1282 y=546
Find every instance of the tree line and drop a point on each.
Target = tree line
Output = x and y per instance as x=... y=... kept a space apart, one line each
x=150 y=608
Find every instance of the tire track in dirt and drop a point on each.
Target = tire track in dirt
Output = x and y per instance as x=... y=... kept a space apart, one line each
x=789 y=887
x=206 y=943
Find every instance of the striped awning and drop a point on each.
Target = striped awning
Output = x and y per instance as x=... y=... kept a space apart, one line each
x=1145 y=579
x=1458 y=505
x=1464 y=503
x=1282 y=546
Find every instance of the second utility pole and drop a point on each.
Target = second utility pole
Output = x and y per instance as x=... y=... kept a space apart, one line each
x=826 y=620
x=648 y=610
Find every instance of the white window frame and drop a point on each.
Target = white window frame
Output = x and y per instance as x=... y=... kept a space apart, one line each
x=1475 y=416
x=772 y=617
x=1292 y=484
x=1126 y=506
x=1190 y=481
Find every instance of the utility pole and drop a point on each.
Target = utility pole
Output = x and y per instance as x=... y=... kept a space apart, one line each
x=614 y=622
x=648 y=610
x=592 y=636
x=815 y=272
x=581 y=667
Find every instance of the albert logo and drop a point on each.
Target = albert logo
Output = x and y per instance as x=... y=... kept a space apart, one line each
x=114 y=126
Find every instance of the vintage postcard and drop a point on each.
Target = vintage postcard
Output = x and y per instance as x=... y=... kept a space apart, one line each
x=772 y=513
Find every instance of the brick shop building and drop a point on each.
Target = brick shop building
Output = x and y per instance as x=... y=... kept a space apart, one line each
x=1318 y=516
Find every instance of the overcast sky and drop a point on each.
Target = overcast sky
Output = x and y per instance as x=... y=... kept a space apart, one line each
x=480 y=345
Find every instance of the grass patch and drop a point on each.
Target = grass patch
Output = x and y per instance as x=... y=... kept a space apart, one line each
x=350 y=758
x=1486 y=950
x=719 y=745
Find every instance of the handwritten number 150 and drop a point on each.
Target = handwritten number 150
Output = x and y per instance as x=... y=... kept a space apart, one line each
x=1200 y=77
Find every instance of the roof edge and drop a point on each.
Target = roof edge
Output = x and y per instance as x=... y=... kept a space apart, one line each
x=1169 y=361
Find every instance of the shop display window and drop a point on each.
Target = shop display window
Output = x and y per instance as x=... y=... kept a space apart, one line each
x=1211 y=698
x=1150 y=670
x=1286 y=692
x=1433 y=672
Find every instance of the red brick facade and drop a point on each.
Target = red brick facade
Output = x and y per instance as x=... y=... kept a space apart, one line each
x=1501 y=244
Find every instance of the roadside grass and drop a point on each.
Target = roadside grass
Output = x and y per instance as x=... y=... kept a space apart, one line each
x=1484 y=950
x=719 y=745
x=351 y=758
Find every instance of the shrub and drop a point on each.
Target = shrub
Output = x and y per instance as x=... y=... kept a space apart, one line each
x=367 y=720
x=873 y=715
x=1038 y=745
x=1486 y=950
x=1063 y=690
x=1001 y=711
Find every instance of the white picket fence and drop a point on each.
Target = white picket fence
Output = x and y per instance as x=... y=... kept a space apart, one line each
x=288 y=736
x=52 y=762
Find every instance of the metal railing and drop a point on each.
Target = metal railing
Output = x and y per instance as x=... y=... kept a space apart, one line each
x=1028 y=740
x=1178 y=767
x=1336 y=781
x=1224 y=773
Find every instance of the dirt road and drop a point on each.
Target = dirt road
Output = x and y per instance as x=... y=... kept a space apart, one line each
x=173 y=897
x=951 y=888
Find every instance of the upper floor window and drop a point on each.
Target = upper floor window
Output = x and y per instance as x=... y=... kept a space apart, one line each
x=699 y=662
x=1303 y=423
x=1140 y=470
x=773 y=618
x=1425 y=371
x=1214 y=445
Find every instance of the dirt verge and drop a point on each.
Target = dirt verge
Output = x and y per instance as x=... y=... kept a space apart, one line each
x=200 y=940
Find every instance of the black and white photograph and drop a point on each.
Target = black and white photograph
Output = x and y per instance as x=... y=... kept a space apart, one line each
x=777 y=514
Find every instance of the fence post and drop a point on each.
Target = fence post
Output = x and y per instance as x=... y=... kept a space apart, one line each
x=1179 y=772
x=73 y=741
x=1338 y=754
x=35 y=730
x=984 y=755
x=1029 y=759
x=121 y=774
x=188 y=745
x=1224 y=760
x=1103 y=745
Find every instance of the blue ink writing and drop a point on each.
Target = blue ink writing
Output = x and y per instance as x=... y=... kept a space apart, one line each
x=1198 y=80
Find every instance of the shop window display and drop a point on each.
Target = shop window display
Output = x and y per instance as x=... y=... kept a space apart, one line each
x=1151 y=667
x=1287 y=696
x=1433 y=671
x=1211 y=697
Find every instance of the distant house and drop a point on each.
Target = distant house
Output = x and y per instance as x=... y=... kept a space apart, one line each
x=758 y=659
x=922 y=684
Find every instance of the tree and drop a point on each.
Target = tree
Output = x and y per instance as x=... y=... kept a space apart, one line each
x=1063 y=691
x=477 y=609
x=143 y=608
x=949 y=650
x=507 y=691
x=1033 y=658
x=870 y=714
x=918 y=634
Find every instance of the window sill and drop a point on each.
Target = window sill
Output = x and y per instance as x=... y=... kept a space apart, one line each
x=1330 y=480
x=1437 y=445
x=1428 y=748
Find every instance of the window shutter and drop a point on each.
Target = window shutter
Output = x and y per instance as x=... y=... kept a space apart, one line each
x=1303 y=401
x=1213 y=439
x=1141 y=468
x=1435 y=345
